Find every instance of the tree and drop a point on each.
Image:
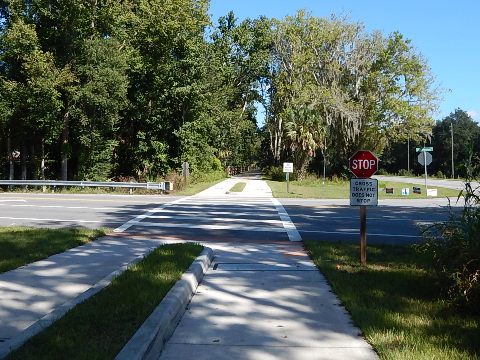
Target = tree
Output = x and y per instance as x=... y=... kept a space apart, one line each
x=358 y=88
x=99 y=102
x=466 y=144
x=31 y=84
x=165 y=83
x=234 y=64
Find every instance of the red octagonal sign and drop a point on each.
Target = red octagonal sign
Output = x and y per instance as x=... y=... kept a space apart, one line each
x=363 y=164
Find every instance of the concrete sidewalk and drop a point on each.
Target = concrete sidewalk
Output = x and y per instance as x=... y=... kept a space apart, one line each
x=255 y=187
x=32 y=296
x=265 y=301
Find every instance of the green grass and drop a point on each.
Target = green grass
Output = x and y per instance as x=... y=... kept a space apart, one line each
x=192 y=189
x=395 y=302
x=99 y=327
x=20 y=245
x=316 y=189
x=238 y=187
x=197 y=183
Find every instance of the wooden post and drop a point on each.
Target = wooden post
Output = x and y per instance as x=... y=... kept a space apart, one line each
x=363 y=235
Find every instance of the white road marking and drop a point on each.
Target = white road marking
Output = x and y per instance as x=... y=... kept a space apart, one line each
x=19 y=200
x=210 y=212
x=206 y=226
x=358 y=233
x=289 y=226
x=56 y=220
x=386 y=218
x=425 y=223
x=222 y=219
x=226 y=207
x=137 y=219
x=70 y=207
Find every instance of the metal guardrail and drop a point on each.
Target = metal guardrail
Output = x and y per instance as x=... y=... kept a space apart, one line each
x=166 y=185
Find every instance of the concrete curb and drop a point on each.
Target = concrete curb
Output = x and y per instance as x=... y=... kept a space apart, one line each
x=148 y=341
x=47 y=320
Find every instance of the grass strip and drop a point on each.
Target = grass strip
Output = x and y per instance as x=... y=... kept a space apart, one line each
x=317 y=189
x=99 y=327
x=395 y=302
x=238 y=187
x=21 y=245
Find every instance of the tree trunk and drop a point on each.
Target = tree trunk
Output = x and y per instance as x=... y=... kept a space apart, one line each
x=65 y=147
x=23 y=160
x=42 y=164
x=33 y=162
x=11 y=174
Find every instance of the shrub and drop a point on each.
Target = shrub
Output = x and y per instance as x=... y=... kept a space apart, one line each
x=177 y=180
x=440 y=175
x=455 y=248
x=275 y=173
x=198 y=176
x=404 y=172
x=382 y=172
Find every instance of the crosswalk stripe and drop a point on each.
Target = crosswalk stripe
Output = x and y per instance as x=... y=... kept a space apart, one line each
x=208 y=226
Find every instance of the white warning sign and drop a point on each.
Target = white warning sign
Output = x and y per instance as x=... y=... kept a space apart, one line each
x=363 y=192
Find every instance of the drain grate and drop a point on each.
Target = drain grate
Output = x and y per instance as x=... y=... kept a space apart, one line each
x=264 y=267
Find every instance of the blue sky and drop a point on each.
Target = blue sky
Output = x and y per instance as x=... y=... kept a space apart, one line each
x=445 y=32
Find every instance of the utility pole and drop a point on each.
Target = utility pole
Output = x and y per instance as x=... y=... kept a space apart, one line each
x=453 y=168
x=324 y=159
x=408 y=153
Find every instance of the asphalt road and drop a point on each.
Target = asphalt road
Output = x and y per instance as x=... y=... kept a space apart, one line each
x=446 y=183
x=226 y=219
x=66 y=210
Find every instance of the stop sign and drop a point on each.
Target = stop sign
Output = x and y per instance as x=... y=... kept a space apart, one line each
x=363 y=164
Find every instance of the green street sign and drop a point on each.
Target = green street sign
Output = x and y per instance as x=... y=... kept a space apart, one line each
x=424 y=149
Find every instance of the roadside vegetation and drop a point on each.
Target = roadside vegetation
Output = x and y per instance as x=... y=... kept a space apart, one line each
x=397 y=302
x=315 y=188
x=99 y=327
x=196 y=183
x=20 y=245
x=454 y=246
x=91 y=100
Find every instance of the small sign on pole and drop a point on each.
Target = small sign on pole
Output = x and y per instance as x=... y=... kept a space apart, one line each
x=425 y=159
x=363 y=191
x=424 y=149
x=287 y=169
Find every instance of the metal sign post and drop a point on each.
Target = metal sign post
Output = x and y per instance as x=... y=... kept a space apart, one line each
x=425 y=160
x=288 y=182
x=425 y=166
x=287 y=169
